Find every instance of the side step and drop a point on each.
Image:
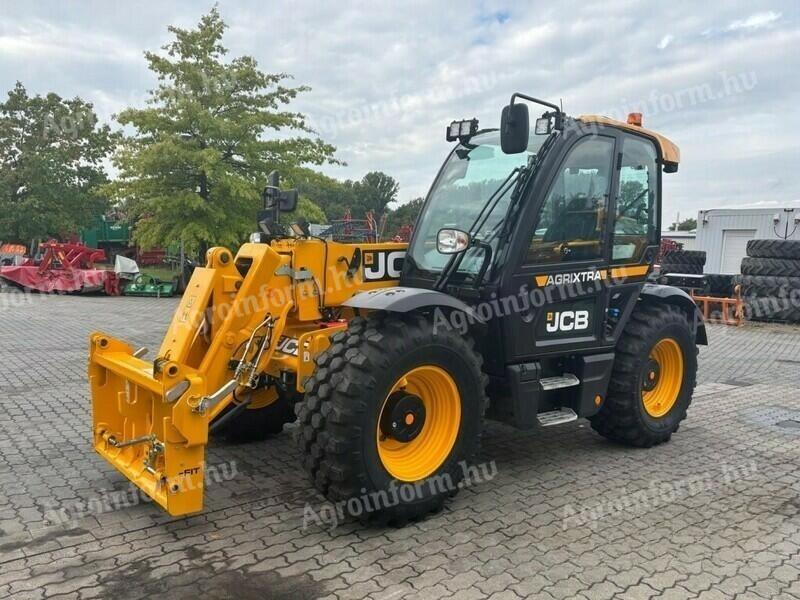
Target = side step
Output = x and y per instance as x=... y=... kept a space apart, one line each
x=557 y=417
x=562 y=381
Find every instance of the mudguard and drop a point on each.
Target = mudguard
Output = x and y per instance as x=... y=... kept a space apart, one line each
x=676 y=296
x=406 y=299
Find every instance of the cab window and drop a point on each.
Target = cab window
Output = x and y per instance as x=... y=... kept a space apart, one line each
x=571 y=223
x=636 y=211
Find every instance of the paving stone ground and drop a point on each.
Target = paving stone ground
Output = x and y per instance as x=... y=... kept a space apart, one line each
x=560 y=513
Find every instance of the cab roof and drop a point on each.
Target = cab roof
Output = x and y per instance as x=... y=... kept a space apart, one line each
x=669 y=150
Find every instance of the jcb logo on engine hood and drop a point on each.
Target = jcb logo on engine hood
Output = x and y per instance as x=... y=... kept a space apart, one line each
x=383 y=265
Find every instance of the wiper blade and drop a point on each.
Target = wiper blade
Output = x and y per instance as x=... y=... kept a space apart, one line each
x=491 y=203
x=493 y=200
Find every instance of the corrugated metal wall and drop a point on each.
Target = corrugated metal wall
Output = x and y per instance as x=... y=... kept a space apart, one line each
x=712 y=224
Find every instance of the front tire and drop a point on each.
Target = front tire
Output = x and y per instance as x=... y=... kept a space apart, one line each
x=653 y=378
x=392 y=404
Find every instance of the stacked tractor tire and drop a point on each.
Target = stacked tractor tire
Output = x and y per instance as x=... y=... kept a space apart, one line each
x=688 y=262
x=692 y=262
x=770 y=280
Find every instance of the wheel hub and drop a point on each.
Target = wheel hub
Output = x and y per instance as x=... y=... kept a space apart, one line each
x=652 y=373
x=662 y=378
x=403 y=416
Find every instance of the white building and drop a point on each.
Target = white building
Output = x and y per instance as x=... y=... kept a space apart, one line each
x=723 y=233
x=687 y=239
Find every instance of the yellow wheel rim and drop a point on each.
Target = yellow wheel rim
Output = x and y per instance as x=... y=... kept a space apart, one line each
x=663 y=378
x=420 y=457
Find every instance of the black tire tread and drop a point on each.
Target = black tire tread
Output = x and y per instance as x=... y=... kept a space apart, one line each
x=685 y=268
x=720 y=284
x=774 y=249
x=617 y=419
x=779 y=267
x=769 y=285
x=685 y=257
x=779 y=309
x=328 y=417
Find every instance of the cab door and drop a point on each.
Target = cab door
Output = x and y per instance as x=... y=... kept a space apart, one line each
x=563 y=261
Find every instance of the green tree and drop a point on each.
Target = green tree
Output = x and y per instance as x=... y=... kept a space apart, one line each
x=334 y=197
x=685 y=225
x=404 y=215
x=51 y=151
x=376 y=191
x=195 y=168
x=306 y=209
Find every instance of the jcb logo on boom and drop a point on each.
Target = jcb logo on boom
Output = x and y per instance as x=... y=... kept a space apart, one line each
x=567 y=320
x=380 y=265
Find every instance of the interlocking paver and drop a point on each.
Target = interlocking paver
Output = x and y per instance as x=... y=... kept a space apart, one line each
x=567 y=514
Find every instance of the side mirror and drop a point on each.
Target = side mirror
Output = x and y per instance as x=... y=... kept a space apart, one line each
x=452 y=241
x=514 y=129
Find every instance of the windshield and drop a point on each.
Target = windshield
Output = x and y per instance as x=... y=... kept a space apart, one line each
x=468 y=179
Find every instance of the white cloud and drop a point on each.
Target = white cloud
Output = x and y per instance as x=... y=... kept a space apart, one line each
x=42 y=40
x=755 y=21
x=424 y=64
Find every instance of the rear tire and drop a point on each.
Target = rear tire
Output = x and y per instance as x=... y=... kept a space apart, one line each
x=651 y=342
x=342 y=422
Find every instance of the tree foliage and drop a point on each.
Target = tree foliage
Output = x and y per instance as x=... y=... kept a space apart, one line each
x=689 y=224
x=51 y=150
x=199 y=158
x=404 y=215
x=308 y=210
x=374 y=192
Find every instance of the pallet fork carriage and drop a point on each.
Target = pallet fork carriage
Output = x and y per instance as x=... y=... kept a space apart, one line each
x=532 y=249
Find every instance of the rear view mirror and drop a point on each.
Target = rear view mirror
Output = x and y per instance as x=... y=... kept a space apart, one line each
x=452 y=241
x=514 y=129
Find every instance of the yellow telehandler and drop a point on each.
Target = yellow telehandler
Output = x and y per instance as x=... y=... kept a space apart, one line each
x=520 y=297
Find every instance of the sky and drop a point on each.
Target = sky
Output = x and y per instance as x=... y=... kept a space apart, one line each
x=721 y=79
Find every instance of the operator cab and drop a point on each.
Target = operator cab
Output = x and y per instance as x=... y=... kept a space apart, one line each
x=553 y=229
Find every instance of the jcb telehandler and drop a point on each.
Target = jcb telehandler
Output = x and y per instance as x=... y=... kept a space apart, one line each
x=521 y=297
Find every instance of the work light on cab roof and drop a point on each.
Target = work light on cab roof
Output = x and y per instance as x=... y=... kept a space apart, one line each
x=458 y=130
